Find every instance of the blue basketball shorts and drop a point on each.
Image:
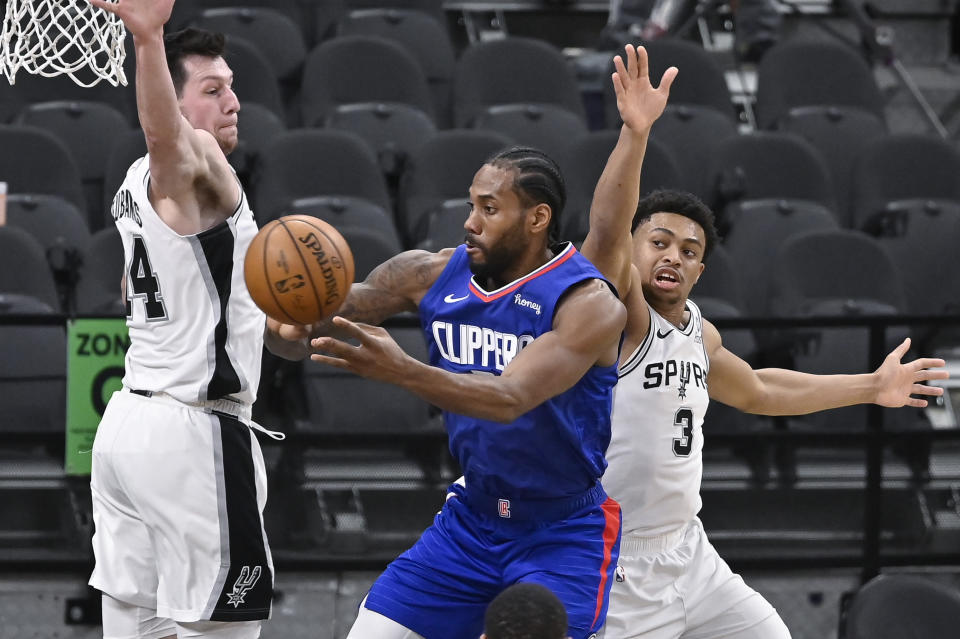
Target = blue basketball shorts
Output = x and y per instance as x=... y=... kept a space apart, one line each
x=441 y=587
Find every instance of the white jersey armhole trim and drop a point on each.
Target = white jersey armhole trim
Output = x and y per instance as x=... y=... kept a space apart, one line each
x=640 y=352
x=698 y=314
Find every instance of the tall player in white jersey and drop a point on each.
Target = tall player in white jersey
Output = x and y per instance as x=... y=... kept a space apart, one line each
x=671 y=581
x=178 y=479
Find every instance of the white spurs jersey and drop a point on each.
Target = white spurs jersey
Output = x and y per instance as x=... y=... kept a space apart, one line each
x=195 y=333
x=654 y=462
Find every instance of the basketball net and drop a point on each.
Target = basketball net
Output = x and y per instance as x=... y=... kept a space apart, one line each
x=62 y=37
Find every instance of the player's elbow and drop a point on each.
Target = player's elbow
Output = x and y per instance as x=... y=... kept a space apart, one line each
x=758 y=402
x=509 y=408
x=508 y=414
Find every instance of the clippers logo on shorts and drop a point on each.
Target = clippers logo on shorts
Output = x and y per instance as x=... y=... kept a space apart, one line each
x=245 y=582
x=503 y=508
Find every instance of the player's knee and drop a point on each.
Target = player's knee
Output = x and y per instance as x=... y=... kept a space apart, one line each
x=122 y=620
x=218 y=630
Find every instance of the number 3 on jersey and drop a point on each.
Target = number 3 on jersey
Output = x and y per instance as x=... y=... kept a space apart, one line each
x=684 y=444
x=142 y=282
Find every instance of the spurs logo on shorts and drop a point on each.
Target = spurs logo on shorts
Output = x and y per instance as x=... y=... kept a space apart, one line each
x=247 y=580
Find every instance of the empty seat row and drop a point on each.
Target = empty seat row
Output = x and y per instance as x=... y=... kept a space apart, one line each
x=769 y=181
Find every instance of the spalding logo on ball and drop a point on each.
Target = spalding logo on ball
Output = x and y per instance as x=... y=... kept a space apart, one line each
x=298 y=269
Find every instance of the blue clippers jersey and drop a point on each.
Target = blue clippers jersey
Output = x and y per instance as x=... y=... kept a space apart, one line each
x=555 y=450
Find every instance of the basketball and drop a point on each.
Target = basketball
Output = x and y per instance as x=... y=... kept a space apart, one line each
x=298 y=269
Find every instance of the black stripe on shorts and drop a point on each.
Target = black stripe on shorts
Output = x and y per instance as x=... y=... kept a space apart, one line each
x=248 y=589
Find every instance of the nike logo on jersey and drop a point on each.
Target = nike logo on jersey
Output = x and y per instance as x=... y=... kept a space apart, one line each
x=450 y=299
x=663 y=335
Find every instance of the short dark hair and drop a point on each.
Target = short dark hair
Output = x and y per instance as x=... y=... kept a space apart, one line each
x=190 y=41
x=538 y=180
x=526 y=611
x=681 y=203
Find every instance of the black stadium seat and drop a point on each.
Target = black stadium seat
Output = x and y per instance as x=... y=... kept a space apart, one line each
x=512 y=71
x=389 y=73
x=307 y=162
x=801 y=73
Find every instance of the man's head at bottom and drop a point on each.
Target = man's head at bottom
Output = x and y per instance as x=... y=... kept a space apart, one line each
x=525 y=611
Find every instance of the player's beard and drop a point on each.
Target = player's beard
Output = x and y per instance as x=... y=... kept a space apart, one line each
x=499 y=258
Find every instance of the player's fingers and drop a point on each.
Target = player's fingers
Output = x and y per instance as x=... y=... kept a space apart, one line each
x=928 y=374
x=333 y=346
x=330 y=361
x=922 y=389
x=619 y=66
x=631 y=59
x=287 y=331
x=291 y=332
x=667 y=80
x=617 y=85
x=930 y=362
x=917 y=403
x=901 y=350
x=106 y=6
x=366 y=334
x=353 y=329
x=643 y=66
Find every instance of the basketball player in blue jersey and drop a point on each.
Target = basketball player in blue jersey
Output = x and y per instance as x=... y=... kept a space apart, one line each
x=523 y=338
x=671 y=583
x=178 y=479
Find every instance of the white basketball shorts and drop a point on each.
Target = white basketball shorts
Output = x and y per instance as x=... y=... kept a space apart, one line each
x=676 y=585
x=178 y=498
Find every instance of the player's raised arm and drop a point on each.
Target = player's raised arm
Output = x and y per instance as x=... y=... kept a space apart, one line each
x=181 y=156
x=586 y=333
x=779 y=391
x=396 y=286
x=608 y=243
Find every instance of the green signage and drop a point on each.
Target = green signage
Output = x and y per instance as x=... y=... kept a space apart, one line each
x=95 y=353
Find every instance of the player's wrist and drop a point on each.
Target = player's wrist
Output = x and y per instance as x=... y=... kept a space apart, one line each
x=875 y=384
x=639 y=131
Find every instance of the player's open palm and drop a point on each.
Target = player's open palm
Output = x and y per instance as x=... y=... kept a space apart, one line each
x=897 y=381
x=377 y=356
x=639 y=103
x=140 y=17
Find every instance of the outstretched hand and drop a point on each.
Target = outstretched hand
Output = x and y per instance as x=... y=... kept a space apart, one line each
x=140 y=17
x=638 y=102
x=377 y=356
x=289 y=332
x=898 y=381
